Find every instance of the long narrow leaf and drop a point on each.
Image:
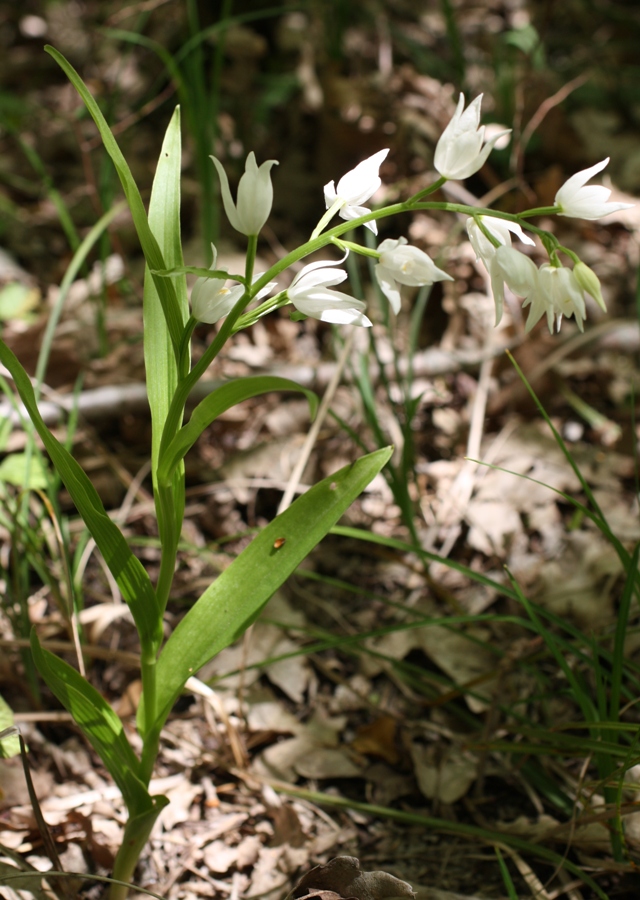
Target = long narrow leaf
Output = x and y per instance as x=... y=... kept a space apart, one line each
x=232 y=602
x=130 y=575
x=98 y=721
x=164 y=221
x=149 y=244
x=218 y=401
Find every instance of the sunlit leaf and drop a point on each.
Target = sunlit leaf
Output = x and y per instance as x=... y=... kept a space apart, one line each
x=102 y=727
x=232 y=602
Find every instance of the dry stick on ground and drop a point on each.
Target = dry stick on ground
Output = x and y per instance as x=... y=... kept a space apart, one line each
x=114 y=401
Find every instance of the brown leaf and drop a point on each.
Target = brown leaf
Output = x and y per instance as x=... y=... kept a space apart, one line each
x=378 y=738
x=344 y=877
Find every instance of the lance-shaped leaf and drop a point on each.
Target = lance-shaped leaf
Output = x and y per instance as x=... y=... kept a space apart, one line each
x=149 y=244
x=232 y=602
x=218 y=401
x=164 y=220
x=130 y=575
x=160 y=361
x=102 y=727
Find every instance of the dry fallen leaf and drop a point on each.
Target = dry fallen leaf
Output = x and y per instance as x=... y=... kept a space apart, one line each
x=344 y=877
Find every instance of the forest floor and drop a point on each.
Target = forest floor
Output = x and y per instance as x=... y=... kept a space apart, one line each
x=344 y=723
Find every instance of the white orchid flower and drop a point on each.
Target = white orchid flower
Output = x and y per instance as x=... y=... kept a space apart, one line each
x=402 y=264
x=460 y=151
x=559 y=295
x=501 y=230
x=578 y=200
x=356 y=187
x=255 y=195
x=309 y=292
x=212 y=300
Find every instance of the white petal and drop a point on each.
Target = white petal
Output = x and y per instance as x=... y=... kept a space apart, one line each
x=320 y=264
x=388 y=286
x=572 y=185
x=330 y=193
x=229 y=205
x=360 y=183
x=345 y=317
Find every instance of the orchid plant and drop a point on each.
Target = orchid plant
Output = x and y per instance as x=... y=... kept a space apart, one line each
x=234 y=599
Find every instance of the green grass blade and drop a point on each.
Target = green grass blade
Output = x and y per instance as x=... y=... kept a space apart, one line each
x=506 y=877
x=621 y=633
x=127 y=569
x=558 y=438
x=403 y=547
x=78 y=260
x=580 y=694
x=218 y=401
x=430 y=824
x=232 y=602
x=150 y=248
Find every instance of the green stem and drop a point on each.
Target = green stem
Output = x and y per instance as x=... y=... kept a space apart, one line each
x=252 y=247
x=430 y=190
x=337 y=205
x=317 y=242
x=148 y=675
x=136 y=835
x=540 y=211
x=169 y=538
x=251 y=317
x=356 y=248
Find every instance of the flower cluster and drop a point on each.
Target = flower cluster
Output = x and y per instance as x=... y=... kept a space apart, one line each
x=552 y=290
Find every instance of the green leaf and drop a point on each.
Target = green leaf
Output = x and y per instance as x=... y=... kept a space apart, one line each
x=130 y=575
x=164 y=221
x=15 y=468
x=217 y=402
x=161 y=362
x=232 y=602
x=149 y=244
x=98 y=722
x=9 y=746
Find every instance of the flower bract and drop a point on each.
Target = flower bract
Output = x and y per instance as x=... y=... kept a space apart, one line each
x=579 y=200
x=460 y=151
x=255 y=195
x=311 y=295
x=401 y=264
x=356 y=187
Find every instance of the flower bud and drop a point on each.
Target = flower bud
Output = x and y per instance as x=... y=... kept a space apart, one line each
x=255 y=195
x=589 y=282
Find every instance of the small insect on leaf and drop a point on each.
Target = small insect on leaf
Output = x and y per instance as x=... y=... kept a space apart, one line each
x=279 y=542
